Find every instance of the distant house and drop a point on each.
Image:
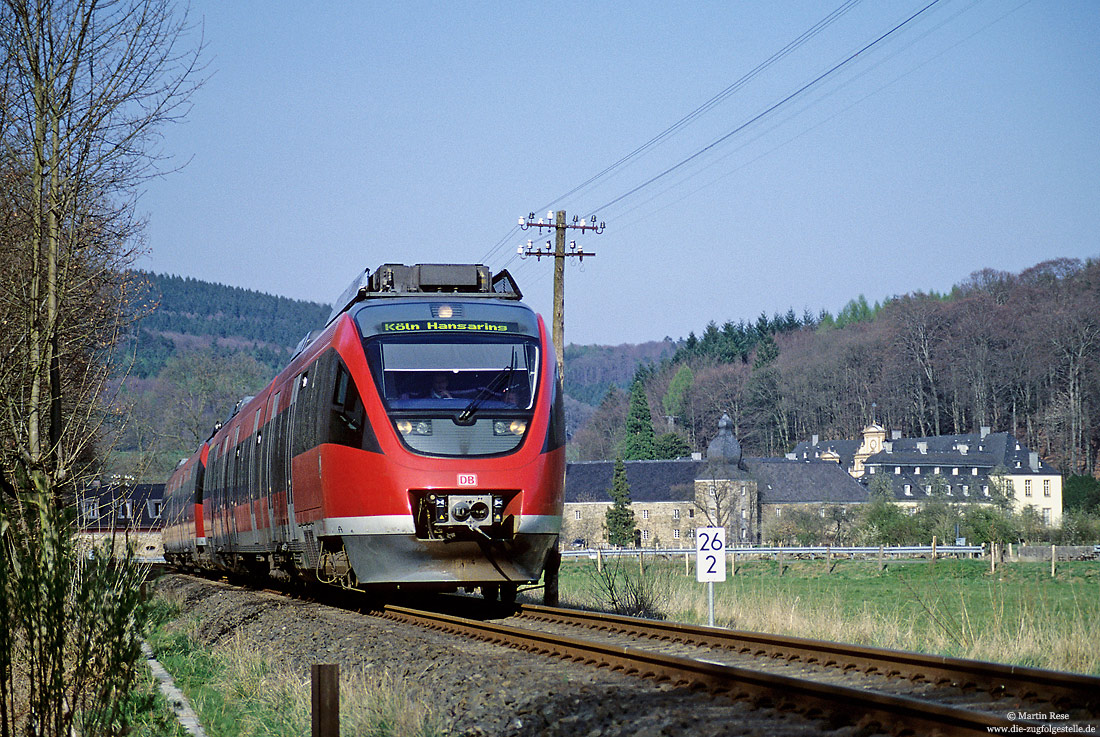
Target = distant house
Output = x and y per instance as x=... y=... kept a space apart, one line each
x=670 y=499
x=124 y=512
x=968 y=468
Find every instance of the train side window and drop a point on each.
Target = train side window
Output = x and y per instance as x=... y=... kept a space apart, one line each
x=346 y=416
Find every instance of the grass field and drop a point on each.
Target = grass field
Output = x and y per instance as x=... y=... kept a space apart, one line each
x=952 y=607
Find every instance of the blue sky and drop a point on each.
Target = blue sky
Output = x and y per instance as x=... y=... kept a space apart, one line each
x=332 y=137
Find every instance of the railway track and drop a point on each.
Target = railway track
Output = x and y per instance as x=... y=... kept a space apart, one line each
x=1066 y=691
x=630 y=649
x=875 y=689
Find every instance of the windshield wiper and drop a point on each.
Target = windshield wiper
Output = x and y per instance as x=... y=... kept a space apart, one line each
x=503 y=377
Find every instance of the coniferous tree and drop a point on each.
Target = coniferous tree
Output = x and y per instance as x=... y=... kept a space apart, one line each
x=620 y=518
x=638 y=442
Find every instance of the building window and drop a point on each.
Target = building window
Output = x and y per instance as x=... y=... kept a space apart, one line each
x=897 y=470
x=744 y=514
x=778 y=511
x=676 y=534
x=928 y=490
x=576 y=514
x=966 y=490
x=949 y=492
x=973 y=472
x=908 y=490
x=870 y=469
x=985 y=490
x=1046 y=516
x=691 y=513
x=1046 y=487
x=156 y=509
x=645 y=514
x=916 y=471
x=823 y=513
x=1027 y=487
x=88 y=510
x=645 y=534
x=676 y=514
x=955 y=471
x=937 y=470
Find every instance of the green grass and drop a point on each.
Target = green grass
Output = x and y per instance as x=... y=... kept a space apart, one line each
x=238 y=692
x=952 y=607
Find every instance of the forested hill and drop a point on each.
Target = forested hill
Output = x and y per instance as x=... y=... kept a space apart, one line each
x=1014 y=352
x=185 y=310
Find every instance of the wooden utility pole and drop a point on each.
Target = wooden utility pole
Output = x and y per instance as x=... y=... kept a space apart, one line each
x=559 y=253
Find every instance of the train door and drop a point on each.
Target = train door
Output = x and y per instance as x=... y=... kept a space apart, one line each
x=288 y=458
x=270 y=491
x=233 y=490
x=254 y=496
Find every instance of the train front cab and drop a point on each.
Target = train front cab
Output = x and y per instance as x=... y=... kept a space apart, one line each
x=462 y=480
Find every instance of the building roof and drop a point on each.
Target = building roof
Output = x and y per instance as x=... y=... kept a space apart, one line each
x=782 y=481
x=116 y=507
x=779 y=480
x=982 y=450
x=650 y=481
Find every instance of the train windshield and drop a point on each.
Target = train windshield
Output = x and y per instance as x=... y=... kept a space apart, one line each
x=466 y=375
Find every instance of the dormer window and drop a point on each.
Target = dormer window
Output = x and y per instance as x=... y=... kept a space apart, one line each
x=916 y=471
x=928 y=490
x=908 y=490
x=937 y=469
x=973 y=472
x=955 y=471
x=897 y=470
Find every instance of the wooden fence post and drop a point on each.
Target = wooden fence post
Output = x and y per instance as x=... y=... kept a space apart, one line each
x=325 y=681
x=881 y=562
x=1053 y=557
x=599 y=560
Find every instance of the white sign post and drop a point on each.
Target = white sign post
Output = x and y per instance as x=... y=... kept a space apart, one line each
x=710 y=560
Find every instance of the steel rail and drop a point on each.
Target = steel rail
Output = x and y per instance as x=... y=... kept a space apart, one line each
x=1059 y=688
x=897 y=714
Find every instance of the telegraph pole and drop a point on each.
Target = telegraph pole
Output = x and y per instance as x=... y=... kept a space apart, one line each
x=557 y=222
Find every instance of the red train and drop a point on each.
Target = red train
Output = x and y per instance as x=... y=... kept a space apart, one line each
x=416 y=441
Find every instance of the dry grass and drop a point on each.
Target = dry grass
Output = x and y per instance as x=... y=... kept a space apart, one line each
x=1024 y=619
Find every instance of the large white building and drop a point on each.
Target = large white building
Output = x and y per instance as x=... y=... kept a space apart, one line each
x=968 y=468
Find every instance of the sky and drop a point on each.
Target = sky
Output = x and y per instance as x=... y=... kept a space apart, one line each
x=333 y=137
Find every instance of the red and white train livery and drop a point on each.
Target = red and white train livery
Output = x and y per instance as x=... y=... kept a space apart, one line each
x=417 y=440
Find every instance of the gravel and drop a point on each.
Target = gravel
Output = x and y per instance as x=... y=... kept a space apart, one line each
x=474 y=688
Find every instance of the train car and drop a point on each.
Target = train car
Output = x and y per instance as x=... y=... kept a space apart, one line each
x=184 y=531
x=415 y=441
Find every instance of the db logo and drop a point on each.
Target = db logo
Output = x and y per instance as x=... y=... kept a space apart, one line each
x=467 y=479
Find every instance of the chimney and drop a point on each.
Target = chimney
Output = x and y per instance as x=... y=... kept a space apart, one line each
x=922 y=447
x=1034 y=461
x=895 y=434
x=986 y=429
x=814 y=439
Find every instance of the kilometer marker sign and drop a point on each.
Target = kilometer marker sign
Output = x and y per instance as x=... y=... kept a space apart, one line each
x=710 y=554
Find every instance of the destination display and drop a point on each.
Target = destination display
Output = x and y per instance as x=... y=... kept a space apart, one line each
x=429 y=326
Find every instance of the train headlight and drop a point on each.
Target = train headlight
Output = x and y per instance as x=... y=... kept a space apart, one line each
x=504 y=427
x=405 y=427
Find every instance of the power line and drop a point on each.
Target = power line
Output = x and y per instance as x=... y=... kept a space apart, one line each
x=712 y=102
x=769 y=110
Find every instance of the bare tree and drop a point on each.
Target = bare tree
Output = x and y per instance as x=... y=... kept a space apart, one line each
x=87 y=85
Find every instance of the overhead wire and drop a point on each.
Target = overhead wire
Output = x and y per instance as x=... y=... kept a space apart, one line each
x=712 y=102
x=782 y=53
x=854 y=104
x=767 y=111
